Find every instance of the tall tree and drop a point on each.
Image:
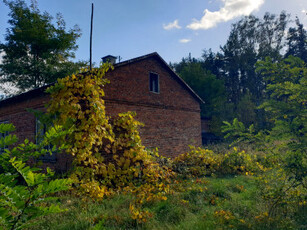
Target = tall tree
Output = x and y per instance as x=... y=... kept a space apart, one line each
x=36 y=52
x=286 y=102
x=297 y=41
x=213 y=62
x=251 y=39
x=207 y=86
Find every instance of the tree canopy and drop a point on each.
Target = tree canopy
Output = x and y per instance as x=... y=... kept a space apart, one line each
x=36 y=52
x=251 y=39
x=206 y=85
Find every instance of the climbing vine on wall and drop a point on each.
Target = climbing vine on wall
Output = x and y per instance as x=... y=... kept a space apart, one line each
x=108 y=153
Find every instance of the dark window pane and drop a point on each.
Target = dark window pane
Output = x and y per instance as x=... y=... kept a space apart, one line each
x=41 y=130
x=154 y=82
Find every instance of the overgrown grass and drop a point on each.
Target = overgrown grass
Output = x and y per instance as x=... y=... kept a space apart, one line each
x=207 y=203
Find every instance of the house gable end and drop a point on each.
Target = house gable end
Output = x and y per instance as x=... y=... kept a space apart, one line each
x=131 y=83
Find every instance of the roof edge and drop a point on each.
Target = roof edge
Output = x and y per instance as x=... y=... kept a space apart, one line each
x=42 y=89
x=155 y=54
x=33 y=92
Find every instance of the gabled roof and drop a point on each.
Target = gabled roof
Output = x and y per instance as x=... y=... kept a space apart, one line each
x=160 y=59
x=41 y=90
x=22 y=96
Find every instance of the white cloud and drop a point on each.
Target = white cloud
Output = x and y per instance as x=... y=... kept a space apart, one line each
x=184 y=40
x=172 y=25
x=230 y=10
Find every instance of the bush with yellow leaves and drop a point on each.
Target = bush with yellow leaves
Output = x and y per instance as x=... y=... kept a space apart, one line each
x=197 y=162
x=108 y=154
x=240 y=162
x=203 y=162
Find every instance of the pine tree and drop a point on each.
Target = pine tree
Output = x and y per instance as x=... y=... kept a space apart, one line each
x=297 y=41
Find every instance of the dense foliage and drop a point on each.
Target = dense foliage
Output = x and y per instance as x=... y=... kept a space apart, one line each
x=208 y=87
x=284 y=185
x=201 y=162
x=107 y=152
x=286 y=104
x=24 y=192
x=238 y=88
x=261 y=183
x=36 y=52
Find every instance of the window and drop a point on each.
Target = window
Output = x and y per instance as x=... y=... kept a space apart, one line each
x=41 y=130
x=154 y=82
x=3 y=135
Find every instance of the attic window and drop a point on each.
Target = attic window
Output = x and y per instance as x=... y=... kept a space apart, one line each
x=154 y=82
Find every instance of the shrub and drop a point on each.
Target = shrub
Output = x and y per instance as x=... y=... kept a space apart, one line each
x=23 y=191
x=198 y=162
x=203 y=162
x=282 y=195
x=240 y=162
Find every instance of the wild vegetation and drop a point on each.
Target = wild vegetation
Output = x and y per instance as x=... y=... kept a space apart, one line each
x=258 y=182
x=24 y=192
x=123 y=185
x=228 y=81
x=108 y=154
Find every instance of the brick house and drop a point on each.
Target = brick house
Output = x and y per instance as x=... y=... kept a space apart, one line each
x=167 y=106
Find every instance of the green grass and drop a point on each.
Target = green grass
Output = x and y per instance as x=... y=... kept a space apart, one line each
x=209 y=203
x=192 y=206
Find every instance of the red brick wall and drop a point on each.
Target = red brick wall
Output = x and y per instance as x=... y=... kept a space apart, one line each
x=131 y=83
x=171 y=117
x=170 y=130
x=24 y=122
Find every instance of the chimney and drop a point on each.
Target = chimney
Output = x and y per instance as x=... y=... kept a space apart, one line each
x=109 y=58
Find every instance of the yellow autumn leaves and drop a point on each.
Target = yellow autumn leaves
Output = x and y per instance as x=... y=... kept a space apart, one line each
x=108 y=154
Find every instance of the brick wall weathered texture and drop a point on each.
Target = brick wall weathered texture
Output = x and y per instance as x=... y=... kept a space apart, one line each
x=171 y=117
x=131 y=83
x=25 y=123
x=168 y=129
x=17 y=114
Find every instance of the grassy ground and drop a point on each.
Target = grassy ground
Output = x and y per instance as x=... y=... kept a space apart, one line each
x=210 y=203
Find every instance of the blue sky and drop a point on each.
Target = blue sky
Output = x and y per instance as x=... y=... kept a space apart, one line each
x=173 y=28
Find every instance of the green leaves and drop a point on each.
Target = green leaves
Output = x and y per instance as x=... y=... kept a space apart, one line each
x=23 y=191
x=284 y=185
x=238 y=133
x=207 y=86
x=22 y=203
x=287 y=89
x=6 y=127
x=36 y=51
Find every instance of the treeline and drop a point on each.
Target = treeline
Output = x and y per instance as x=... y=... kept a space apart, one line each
x=228 y=81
